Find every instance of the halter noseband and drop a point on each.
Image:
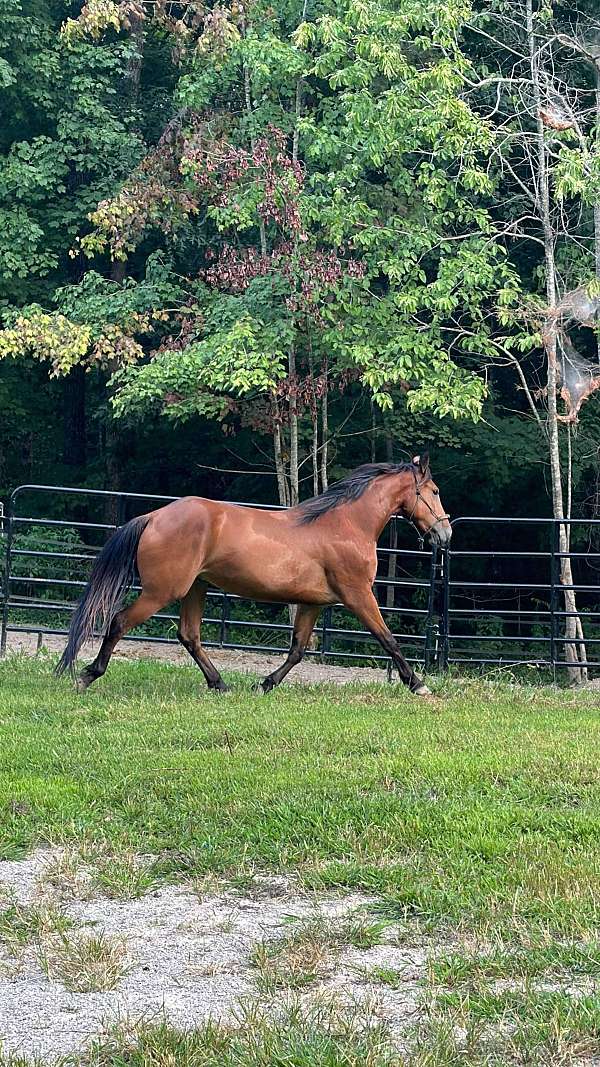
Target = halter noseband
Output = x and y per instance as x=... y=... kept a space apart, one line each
x=437 y=518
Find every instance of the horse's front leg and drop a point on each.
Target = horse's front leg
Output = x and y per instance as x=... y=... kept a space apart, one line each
x=363 y=604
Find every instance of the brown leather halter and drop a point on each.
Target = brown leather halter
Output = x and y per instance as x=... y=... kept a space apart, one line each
x=437 y=518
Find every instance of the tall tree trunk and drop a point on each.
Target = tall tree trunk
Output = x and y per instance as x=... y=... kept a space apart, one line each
x=314 y=414
x=315 y=447
x=573 y=652
x=282 y=485
x=390 y=591
x=578 y=634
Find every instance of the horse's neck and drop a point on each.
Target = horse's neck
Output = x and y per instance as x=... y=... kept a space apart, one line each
x=373 y=510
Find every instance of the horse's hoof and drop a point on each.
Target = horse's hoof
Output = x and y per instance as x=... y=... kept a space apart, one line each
x=423 y=691
x=82 y=683
x=220 y=687
x=266 y=687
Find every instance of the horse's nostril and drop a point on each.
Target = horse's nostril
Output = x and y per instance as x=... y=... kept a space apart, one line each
x=441 y=535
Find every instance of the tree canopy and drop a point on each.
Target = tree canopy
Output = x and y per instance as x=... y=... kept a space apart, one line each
x=246 y=246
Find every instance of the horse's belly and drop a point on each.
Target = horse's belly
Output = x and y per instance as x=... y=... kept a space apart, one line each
x=287 y=583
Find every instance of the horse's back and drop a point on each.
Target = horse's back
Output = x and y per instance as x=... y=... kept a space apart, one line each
x=254 y=552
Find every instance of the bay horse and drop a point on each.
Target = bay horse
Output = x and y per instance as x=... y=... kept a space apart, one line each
x=321 y=552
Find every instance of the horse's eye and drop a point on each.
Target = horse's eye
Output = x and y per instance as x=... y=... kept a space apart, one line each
x=436 y=492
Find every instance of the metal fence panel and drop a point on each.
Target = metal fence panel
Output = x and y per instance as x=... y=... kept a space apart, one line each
x=499 y=606
x=505 y=605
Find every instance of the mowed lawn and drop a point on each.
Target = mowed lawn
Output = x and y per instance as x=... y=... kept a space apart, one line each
x=472 y=822
x=479 y=810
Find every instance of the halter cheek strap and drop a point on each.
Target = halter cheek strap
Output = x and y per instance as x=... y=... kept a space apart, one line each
x=437 y=518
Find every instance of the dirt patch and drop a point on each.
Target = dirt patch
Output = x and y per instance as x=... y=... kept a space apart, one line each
x=226 y=659
x=188 y=958
x=258 y=664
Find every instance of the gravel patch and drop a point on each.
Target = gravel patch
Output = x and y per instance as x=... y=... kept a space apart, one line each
x=225 y=659
x=188 y=959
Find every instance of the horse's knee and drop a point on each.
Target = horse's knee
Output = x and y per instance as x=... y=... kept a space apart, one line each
x=184 y=637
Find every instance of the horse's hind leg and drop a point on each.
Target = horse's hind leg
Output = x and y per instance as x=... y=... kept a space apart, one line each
x=190 y=623
x=306 y=616
x=137 y=613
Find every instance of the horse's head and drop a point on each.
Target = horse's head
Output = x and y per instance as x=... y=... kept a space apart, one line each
x=423 y=506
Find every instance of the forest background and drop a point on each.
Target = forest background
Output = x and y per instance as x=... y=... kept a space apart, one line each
x=246 y=247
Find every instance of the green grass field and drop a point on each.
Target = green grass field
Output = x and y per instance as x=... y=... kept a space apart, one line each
x=474 y=817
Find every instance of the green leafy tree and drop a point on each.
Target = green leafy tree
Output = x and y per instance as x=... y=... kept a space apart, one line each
x=326 y=175
x=537 y=82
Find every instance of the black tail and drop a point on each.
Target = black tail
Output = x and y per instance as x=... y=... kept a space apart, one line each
x=112 y=574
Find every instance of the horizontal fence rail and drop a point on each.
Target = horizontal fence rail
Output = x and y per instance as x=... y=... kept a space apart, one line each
x=482 y=603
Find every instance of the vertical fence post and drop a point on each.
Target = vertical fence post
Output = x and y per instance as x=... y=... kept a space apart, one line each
x=6 y=575
x=431 y=627
x=444 y=645
x=554 y=588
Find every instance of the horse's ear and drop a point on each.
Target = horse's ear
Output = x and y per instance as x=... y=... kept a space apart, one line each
x=422 y=462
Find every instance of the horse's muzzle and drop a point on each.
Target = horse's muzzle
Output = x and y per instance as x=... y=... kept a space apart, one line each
x=440 y=533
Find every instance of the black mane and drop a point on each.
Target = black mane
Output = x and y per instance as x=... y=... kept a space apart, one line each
x=349 y=488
